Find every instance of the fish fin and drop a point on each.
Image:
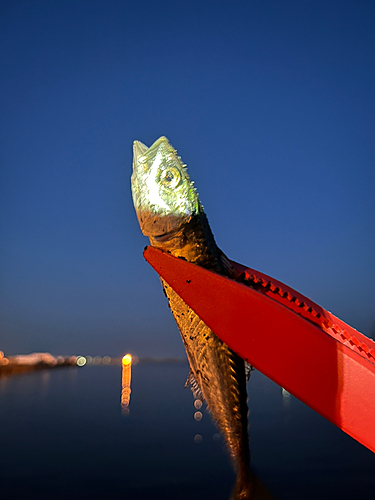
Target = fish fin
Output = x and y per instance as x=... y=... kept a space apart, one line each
x=248 y=370
x=195 y=389
x=229 y=269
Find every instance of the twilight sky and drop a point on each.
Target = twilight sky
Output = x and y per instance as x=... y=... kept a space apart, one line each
x=271 y=105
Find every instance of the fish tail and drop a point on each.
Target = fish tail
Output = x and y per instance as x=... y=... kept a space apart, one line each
x=250 y=487
x=244 y=488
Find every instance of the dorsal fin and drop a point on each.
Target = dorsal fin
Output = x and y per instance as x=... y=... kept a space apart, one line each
x=195 y=389
x=229 y=269
x=248 y=370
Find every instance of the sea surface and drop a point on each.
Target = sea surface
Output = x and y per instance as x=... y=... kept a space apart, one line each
x=65 y=434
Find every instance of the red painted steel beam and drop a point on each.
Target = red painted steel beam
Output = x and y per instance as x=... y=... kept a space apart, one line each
x=303 y=348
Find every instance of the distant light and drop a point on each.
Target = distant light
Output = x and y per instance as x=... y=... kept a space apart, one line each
x=89 y=359
x=97 y=360
x=106 y=360
x=216 y=437
x=198 y=438
x=127 y=359
x=198 y=416
x=198 y=404
x=81 y=361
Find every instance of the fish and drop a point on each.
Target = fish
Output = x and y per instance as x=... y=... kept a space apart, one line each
x=171 y=215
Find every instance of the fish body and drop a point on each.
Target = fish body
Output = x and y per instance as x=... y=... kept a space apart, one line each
x=171 y=215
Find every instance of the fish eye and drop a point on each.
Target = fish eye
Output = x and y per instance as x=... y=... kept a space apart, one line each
x=170 y=177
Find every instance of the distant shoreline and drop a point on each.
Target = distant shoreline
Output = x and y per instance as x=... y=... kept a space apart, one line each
x=16 y=369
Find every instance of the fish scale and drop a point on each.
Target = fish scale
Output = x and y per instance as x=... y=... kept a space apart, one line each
x=205 y=352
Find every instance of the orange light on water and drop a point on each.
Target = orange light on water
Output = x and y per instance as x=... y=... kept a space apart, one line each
x=127 y=359
x=198 y=404
x=198 y=416
x=126 y=380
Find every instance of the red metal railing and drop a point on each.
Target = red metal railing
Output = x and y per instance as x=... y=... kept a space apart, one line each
x=305 y=349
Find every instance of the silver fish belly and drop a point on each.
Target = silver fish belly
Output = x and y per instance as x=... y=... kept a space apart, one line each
x=174 y=221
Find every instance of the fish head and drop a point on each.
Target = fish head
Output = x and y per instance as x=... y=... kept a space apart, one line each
x=164 y=196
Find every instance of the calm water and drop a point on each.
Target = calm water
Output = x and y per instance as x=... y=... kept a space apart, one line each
x=62 y=433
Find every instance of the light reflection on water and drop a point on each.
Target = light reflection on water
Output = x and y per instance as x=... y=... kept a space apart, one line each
x=126 y=381
x=198 y=404
x=62 y=435
x=198 y=416
x=286 y=398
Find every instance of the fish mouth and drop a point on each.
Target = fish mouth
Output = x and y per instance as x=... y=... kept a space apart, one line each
x=139 y=149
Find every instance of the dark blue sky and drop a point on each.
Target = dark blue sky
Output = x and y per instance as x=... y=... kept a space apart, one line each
x=271 y=105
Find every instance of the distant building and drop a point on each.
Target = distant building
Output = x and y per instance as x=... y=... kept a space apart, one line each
x=35 y=358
